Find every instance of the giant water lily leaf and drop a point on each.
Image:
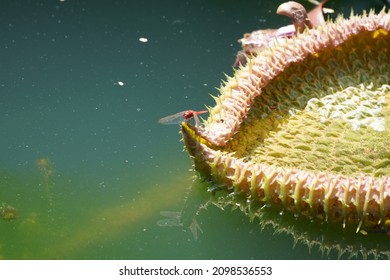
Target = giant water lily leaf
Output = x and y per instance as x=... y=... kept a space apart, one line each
x=304 y=127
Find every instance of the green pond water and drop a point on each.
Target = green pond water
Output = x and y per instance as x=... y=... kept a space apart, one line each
x=83 y=158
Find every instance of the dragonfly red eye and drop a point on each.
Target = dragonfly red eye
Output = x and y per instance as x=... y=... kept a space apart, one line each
x=188 y=114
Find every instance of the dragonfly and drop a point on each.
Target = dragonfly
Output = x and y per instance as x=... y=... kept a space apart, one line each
x=182 y=117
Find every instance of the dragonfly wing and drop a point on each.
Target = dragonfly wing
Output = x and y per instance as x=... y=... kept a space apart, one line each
x=173 y=119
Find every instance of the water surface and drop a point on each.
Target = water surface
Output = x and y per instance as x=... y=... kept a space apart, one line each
x=83 y=158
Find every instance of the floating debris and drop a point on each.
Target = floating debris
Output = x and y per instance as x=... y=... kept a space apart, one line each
x=8 y=212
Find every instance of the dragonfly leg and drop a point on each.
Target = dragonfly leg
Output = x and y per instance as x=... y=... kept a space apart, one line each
x=197 y=121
